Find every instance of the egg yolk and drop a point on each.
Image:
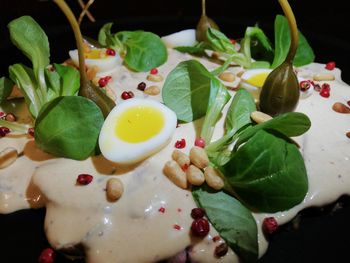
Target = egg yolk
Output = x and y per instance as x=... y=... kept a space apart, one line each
x=93 y=54
x=139 y=124
x=258 y=79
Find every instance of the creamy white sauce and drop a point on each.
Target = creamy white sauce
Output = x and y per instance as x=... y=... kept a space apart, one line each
x=133 y=229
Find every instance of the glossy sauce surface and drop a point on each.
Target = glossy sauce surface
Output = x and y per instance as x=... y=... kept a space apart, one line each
x=152 y=209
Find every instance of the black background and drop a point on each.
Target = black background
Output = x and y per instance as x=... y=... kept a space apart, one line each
x=322 y=235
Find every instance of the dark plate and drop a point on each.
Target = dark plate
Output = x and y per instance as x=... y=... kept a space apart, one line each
x=317 y=234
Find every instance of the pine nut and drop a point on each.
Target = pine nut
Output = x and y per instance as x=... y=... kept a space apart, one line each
x=194 y=175
x=114 y=189
x=340 y=108
x=154 y=78
x=227 y=76
x=260 y=117
x=182 y=159
x=7 y=157
x=175 y=174
x=323 y=77
x=91 y=72
x=199 y=157
x=152 y=90
x=213 y=178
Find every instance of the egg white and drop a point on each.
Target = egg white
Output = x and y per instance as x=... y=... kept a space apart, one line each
x=182 y=38
x=252 y=72
x=104 y=65
x=119 y=151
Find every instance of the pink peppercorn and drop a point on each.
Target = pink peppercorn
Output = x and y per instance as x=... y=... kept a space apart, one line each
x=127 y=95
x=180 y=144
x=200 y=227
x=330 y=65
x=269 y=225
x=31 y=132
x=199 y=142
x=102 y=82
x=47 y=256
x=161 y=210
x=177 y=227
x=197 y=213
x=141 y=86
x=110 y=52
x=304 y=85
x=2 y=114
x=84 y=179
x=4 y=131
x=325 y=90
x=154 y=71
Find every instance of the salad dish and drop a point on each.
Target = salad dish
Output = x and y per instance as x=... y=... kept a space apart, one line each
x=195 y=143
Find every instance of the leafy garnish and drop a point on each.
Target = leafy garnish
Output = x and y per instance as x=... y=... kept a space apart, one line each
x=232 y=220
x=304 y=55
x=237 y=117
x=69 y=127
x=267 y=173
x=187 y=90
x=6 y=86
x=38 y=85
x=144 y=50
x=290 y=124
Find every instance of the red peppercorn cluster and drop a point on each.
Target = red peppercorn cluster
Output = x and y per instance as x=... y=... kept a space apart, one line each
x=102 y=82
x=325 y=90
x=84 y=179
x=180 y=144
x=4 y=131
x=127 y=95
x=330 y=65
x=200 y=226
x=47 y=256
x=269 y=225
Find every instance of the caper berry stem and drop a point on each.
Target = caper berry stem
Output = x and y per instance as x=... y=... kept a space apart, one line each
x=203 y=8
x=79 y=40
x=293 y=29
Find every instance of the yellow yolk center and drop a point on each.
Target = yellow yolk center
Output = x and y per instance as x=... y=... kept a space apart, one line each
x=93 y=54
x=139 y=124
x=258 y=80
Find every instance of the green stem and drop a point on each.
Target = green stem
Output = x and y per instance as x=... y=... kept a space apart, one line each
x=203 y=8
x=293 y=29
x=79 y=40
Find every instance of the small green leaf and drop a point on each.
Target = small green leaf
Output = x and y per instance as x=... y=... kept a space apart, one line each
x=144 y=50
x=187 y=90
x=27 y=35
x=218 y=98
x=232 y=220
x=304 y=55
x=6 y=86
x=25 y=80
x=290 y=124
x=219 y=42
x=69 y=80
x=267 y=173
x=69 y=127
x=238 y=115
